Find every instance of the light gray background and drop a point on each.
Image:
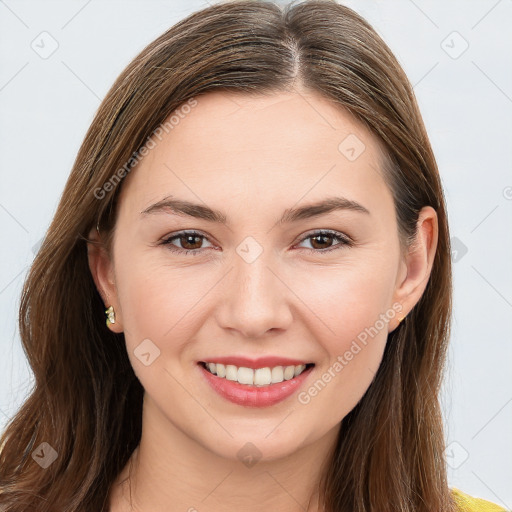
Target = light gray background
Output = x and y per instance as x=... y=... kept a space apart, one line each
x=47 y=104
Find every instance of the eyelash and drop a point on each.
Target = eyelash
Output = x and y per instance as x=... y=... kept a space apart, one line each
x=343 y=239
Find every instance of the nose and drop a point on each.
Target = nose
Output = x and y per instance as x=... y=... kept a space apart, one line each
x=255 y=299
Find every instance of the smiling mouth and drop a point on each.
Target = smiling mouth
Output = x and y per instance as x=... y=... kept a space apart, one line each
x=255 y=377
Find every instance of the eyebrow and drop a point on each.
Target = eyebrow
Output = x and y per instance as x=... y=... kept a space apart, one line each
x=198 y=211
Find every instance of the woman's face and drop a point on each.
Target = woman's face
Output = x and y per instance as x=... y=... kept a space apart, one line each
x=260 y=281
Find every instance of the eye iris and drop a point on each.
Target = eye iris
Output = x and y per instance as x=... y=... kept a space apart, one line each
x=320 y=236
x=188 y=238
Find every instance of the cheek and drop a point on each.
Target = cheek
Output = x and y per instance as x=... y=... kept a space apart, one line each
x=160 y=304
x=352 y=315
x=158 y=301
x=345 y=300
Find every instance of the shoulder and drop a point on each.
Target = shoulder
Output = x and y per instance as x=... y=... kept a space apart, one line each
x=467 y=503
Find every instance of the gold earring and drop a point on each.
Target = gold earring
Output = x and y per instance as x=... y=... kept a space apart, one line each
x=111 y=316
x=400 y=319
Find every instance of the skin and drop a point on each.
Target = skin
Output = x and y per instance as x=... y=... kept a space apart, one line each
x=252 y=158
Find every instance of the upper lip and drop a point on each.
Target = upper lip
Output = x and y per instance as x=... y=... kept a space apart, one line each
x=260 y=362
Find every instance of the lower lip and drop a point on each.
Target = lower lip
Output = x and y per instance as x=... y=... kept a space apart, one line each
x=254 y=396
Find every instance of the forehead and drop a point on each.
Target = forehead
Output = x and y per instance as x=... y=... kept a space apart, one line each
x=280 y=145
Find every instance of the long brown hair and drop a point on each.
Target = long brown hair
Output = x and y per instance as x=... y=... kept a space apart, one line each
x=86 y=402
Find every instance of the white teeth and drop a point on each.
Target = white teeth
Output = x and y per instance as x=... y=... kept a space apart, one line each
x=259 y=377
x=221 y=370
x=277 y=374
x=262 y=376
x=289 y=372
x=231 y=372
x=299 y=369
x=246 y=376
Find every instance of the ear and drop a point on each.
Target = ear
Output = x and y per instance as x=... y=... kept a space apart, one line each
x=415 y=270
x=102 y=271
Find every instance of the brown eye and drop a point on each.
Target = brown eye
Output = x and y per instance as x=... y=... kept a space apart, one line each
x=321 y=241
x=190 y=242
x=187 y=241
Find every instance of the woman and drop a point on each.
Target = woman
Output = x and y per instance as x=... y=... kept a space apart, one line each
x=257 y=210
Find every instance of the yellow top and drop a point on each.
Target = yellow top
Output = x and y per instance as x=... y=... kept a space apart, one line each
x=467 y=503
